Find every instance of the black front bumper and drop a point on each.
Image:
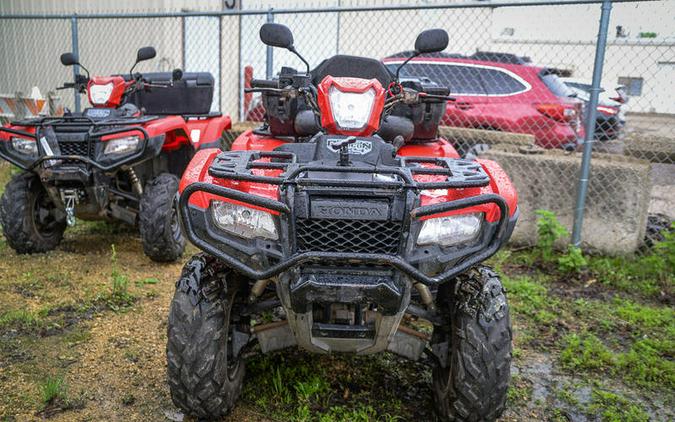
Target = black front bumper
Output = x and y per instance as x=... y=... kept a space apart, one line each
x=262 y=259
x=80 y=167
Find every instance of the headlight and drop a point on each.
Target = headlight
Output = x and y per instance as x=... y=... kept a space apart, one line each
x=351 y=110
x=122 y=145
x=450 y=231
x=24 y=146
x=100 y=94
x=243 y=221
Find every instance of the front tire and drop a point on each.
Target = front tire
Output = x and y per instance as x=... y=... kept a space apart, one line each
x=30 y=220
x=161 y=234
x=471 y=378
x=205 y=379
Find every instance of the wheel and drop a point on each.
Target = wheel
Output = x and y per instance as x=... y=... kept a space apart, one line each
x=472 y=374
x=205 y=379
x=161 y=234
x=30 y=220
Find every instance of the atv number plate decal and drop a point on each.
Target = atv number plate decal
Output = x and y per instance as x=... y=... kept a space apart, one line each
x=97 y=113
x=360 y=147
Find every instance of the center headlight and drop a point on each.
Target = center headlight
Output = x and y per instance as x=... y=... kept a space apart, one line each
x=451 y=230
x=351 y=110
x=100 y=94
x=243 y=221
x=24 y=146
x=121 y=145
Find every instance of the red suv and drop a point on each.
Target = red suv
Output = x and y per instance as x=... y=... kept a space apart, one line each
x=502 y=96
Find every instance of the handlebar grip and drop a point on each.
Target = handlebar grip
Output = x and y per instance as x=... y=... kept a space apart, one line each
x=264 y=83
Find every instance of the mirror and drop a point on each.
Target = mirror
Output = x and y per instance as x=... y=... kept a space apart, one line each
x=431 y=41
x=276 y=35
x=69 y=59
x=145 y=53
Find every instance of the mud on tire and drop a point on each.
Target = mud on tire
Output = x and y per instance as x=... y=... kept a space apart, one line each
x=472 y=376
x=204 y=380
x=162 y=238
x=30 y=221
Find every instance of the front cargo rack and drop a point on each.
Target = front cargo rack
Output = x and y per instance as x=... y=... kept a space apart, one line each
x=240 y=166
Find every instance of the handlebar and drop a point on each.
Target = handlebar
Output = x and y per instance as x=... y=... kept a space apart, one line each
x=264 y=83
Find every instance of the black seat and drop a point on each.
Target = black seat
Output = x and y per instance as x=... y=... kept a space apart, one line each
x=352 y=66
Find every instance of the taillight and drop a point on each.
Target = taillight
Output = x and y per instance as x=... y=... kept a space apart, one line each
x=558 y=112
x=608 y=110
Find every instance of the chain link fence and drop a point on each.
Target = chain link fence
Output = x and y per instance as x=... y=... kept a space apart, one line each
x=521 y=73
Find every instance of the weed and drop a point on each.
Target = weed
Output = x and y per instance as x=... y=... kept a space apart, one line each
x=128 y=399
x=119 y=296
x=53 y=388
x=307 y=389
x=549 y=230
x=572 y=261
x=148 y=280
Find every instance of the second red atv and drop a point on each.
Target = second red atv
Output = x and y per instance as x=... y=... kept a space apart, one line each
x=120 y=159
x=337 y=227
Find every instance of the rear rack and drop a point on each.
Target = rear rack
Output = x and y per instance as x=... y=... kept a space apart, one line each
x=239 y=165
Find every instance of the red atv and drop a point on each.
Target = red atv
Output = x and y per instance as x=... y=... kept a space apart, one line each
x=335 y=225
x=120 y=159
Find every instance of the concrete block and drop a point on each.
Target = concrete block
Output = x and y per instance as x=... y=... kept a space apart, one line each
x=617 y=201
x=657 y=149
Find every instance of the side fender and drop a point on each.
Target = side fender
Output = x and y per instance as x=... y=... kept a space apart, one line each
x=501 y=183
x=173 y=127
x=205 y=133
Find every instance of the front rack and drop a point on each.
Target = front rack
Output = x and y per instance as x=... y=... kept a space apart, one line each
x=239 y=165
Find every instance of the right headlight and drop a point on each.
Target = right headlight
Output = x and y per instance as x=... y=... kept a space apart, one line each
x=24 y=146
x=243 y=221
x=121 y=146
x=451 y=230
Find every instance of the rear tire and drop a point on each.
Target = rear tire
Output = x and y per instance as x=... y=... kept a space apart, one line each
x=30 y=220
x=470 y=381
x=161 y=234
x=204 y=379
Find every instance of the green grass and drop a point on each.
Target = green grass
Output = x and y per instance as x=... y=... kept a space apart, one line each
x=529 y=297
x=20 y=319
x=647 y=362
x=612 y=407
x=53 y=388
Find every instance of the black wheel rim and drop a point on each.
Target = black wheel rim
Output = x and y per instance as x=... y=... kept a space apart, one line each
x=42 y=215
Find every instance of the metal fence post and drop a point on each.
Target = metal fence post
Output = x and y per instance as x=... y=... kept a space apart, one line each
x=584 y=174
x=76 y=51
x=269 y=70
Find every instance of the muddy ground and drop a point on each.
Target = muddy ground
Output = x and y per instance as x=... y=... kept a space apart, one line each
x=83 y=332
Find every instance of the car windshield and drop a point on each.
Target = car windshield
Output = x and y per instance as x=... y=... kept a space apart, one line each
x=556 y=85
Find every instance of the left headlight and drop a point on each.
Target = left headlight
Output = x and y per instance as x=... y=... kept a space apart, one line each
x=24 y=146
x=351 y=110
x=451 y=230
x=243 y=221
x=100 y=94
x=122 y=145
